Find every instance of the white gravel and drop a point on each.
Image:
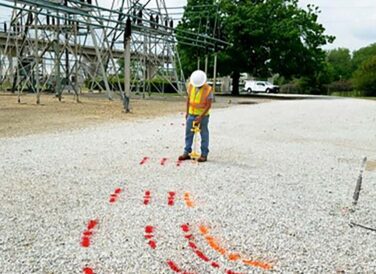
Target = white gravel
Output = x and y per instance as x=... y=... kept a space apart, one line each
x=277 y=188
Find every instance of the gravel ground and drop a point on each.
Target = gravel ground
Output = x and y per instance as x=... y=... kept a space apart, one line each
x=277 y=189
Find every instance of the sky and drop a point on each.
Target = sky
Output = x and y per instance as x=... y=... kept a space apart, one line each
x=352 y=22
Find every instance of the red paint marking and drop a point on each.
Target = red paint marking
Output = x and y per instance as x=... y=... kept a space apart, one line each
x=87 y=233
x=163 y=161
x=118 y=191
x=174 y=267
x=88 y=270
x=202 y=256
x=232 y=272
x=152 y=244
x=193 y=246
x=171 y=198
x=115 y=196
x=185 y=228
x=147 y=197
x=144 y=160
x=92 y=224
x=149 y=229
x=149 y=236
x=85 y=242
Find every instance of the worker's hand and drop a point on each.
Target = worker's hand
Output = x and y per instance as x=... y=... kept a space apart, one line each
x=198 y=120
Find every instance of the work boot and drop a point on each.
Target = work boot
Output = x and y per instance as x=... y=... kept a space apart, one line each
x=202 y=159
x=184 y=157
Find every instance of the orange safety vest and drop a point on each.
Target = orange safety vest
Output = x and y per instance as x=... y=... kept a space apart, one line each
x=198 y=99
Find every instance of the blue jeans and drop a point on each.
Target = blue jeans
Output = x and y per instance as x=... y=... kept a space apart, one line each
x=204 y=135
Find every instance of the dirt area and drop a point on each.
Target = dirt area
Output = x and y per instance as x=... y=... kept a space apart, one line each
x=51 y=115
x=371 y=166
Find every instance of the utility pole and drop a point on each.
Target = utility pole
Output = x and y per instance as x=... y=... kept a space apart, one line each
x=127 y=64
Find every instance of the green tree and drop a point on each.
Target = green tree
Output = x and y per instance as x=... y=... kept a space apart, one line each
x=341 y=63
x=276 y=36
x=365 y=77
x=268 y=37
x=200 y=17
x=362 y=55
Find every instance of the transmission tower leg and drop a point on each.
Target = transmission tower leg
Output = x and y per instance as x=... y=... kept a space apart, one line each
x=76 y=86
x=127 y=74
x=206 y=63
x=100 y=63
x=58 y=88
x=36 y=57
x=215 y=74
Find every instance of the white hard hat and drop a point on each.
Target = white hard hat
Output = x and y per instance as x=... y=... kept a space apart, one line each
x=198 y=78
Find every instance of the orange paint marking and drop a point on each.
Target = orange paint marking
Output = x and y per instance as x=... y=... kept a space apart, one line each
x=187 y=234
x=213 y=243
x=188 y=201
x=234 y=257
x=261 y=265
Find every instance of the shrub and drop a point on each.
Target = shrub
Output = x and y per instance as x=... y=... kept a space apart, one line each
x=365 y=77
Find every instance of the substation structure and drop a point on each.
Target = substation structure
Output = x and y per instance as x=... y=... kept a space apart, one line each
x=65 y=45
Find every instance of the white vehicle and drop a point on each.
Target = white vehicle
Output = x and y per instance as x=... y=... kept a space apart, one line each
x=252 y=86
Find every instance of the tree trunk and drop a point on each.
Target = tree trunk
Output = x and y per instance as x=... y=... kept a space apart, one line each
x=235 y=82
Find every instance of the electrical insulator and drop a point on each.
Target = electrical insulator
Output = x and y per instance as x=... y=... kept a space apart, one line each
x=134 y=16
x=172 y=24
x=152 y=25
x=128 y=29
x=5 y=27
x=139 y=19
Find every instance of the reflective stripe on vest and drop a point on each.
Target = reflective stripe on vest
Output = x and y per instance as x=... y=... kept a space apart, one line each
x=198 y=99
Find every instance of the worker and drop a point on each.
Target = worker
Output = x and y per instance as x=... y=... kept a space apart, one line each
x=199 y=102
